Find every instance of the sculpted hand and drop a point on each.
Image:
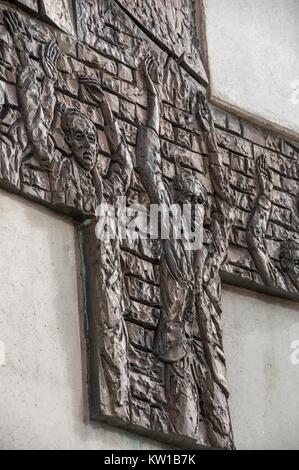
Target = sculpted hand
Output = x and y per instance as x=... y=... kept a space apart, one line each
x=94 y=88
x=96 y=94
x=49 y=57
x=17 y=30
x=264 y=179
x=150 y=69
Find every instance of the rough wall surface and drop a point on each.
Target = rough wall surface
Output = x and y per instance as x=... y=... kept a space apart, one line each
x=114 y=109
x=243 y=145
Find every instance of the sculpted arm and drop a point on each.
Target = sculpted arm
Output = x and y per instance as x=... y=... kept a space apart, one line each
x=148 y=156
x=223 y=214
x=121 y=167
x=208 y=298
x=153 y=108
x=35 y=90
x=148 y=152
x=257 y=226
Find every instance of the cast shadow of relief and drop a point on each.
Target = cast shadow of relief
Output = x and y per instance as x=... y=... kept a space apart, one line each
x=154 y=309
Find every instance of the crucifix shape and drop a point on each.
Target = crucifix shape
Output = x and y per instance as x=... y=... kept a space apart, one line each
x=87 y=126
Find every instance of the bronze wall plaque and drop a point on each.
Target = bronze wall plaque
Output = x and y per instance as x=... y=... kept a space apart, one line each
x=118 y=109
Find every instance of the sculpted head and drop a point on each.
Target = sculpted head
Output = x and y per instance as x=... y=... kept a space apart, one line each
x=81 y=137
x=188 y=189
x=289 y=258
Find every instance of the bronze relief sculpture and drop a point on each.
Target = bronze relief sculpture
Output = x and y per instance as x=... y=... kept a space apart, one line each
x=101 y=111
x=285 y=276
x=195 y=383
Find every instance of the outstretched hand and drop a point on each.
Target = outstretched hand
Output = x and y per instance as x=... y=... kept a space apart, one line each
x=94 y=88
x=17 y=30
x=264 y=179
x=150 y=69
x=49 y=57
x=95 y=94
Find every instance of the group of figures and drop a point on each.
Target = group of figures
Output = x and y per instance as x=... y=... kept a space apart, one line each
x=73 y=179
x=285 y=277
x=188 y=338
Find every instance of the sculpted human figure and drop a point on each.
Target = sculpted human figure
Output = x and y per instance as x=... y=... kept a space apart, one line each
x=107 y=300
x=76 y=184
x=285 y=276
x=107 y=296
x=208 y=292
x=33 y=85
x=174 y=333
x=194 y=382
x=31 y=134
x=75 y=179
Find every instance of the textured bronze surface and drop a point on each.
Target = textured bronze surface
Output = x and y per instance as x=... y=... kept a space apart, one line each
x=118 y=107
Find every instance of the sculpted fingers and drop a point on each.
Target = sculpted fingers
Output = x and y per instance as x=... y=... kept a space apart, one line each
x=11 y=21
x=90 y=82
x=51 y=50
x=49 y=56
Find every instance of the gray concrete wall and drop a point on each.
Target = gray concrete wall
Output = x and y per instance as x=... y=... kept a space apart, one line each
x=42 y=382
x=258 y=333
x=253 y=58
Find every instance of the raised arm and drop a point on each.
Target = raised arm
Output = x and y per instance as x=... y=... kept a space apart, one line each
x=121 y=167
x=208 y=292
x=148 y=151
x=206 y=122
x=92 y=91
x=153 y=108
x=20 y=36
x=223 y=213
x=258 y=223
x=35 y=90
x=148 y=157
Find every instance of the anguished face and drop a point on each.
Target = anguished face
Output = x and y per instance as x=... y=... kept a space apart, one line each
x=82 y=139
